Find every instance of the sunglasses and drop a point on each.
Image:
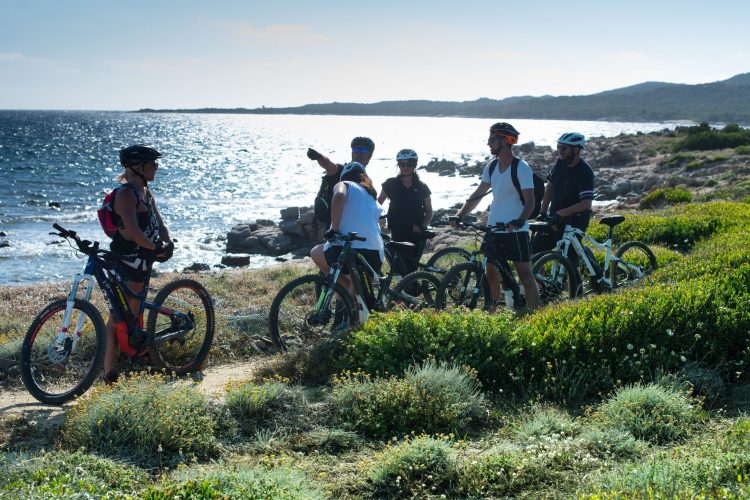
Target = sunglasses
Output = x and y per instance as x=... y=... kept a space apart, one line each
x=360 y=150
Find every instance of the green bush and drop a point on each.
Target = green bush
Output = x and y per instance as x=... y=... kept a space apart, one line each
x=713 y=465
x=611 y=443
x=742 y=150
x=146 y=419
x=254 y=483
x=256 y=406
x=429 y=398
x=698 y=138
x=415 y=468
x=650 y=412
x=697 y=311
x=61 y=474
x=662 y=197
x=547 y=422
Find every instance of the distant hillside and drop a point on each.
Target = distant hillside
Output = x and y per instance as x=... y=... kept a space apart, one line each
x=725 y=101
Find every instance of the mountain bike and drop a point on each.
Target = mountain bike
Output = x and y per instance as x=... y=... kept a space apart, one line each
x=631 y=262
x=466 y=284
x=303 y=309
x=63 y=351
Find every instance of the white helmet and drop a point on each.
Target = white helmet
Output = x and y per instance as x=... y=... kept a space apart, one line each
x=407 y=154
x=572 y=139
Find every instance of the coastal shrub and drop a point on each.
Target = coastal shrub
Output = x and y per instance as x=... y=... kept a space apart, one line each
x=742 y=150
x=431 y=398
x=414 y=468
x=715 y=464
x=266 y=404
x=573 y=350
x=730 y=136
x=705 y=383
x=547 y=421
x=650 y=412
x=282 y=483
x=666 y=196
x=63 y=474
x=611 y=443
x=677 y=159
x=324 y=440
x=146 y=419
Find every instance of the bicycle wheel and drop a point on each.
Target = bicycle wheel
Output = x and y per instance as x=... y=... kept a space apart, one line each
x=54 y=368
x=635 y=261
x=442 y=260
x=420 y=286
x=184 y=313
x=556 y=277
x=295 y=318
x=459 y=288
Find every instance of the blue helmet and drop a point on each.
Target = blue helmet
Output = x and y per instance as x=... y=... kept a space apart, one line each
x=351 y=167
x=572 y=139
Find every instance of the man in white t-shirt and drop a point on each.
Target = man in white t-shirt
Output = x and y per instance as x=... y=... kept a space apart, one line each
x=507 y=208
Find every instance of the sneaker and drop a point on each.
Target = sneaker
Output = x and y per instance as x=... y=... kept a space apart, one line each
x=341 y=328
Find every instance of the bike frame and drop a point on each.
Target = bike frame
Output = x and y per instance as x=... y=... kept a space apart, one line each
x=569 y=239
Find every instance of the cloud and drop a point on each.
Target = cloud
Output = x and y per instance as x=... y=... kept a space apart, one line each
x=12 y=56
x=289 y=33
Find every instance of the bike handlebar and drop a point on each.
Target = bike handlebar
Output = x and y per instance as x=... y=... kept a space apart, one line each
x=499 y=226
x=84 y=246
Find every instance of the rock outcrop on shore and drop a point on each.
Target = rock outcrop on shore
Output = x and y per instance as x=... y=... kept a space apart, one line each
x=626 y=167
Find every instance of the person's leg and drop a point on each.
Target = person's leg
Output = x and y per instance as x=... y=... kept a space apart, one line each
x=526 y=275
x=494 y=281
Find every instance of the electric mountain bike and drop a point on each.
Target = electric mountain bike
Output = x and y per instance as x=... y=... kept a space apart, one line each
x=632 y=261
x=316 y=307
x=63 y=351
x=466 y=284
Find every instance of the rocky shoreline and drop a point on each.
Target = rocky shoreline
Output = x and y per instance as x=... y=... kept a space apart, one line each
x=627 y=167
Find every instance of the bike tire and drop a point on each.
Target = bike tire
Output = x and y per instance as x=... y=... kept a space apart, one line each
x=556 y=277
x=53 y=377
x=445 y=258
x=422 y=286
x=632 y=253
x=188 y=352
x=291 y=321
x=458 y=288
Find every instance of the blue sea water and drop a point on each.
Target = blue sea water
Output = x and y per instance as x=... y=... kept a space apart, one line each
x=219 y=170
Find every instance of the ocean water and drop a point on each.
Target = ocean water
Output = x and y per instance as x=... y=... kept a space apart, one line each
x=219 y=170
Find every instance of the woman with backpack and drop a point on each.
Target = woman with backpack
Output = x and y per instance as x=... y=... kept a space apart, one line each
x=140 y=238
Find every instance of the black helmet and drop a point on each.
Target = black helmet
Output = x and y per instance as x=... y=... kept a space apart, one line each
x=507 y=131
x=363 y=142
x=137 y=154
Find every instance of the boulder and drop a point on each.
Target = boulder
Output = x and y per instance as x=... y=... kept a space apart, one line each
x=290 y=213
x=197 y=266
x=236 y=260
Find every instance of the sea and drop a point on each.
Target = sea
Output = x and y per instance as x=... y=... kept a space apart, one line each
x=219 y=170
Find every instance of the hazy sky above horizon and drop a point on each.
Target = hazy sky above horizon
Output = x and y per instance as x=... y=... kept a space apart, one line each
x=124 y=55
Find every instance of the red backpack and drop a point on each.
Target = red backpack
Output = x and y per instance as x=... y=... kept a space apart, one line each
x=108 y=218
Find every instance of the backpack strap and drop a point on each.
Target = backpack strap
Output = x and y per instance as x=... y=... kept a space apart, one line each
x=514 y=177
x=493 y=165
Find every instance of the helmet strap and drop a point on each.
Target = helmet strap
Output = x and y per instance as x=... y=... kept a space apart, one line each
x=145 y=182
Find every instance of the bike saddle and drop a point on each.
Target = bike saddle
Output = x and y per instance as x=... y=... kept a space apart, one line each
x=612 y=221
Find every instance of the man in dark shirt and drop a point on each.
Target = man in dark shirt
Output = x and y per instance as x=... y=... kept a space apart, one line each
x=569 y=192
x=362 y=149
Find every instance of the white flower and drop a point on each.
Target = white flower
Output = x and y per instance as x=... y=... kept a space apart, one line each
x=697 y=336
x=683 y=358
x=630 y=347
x=670 y=332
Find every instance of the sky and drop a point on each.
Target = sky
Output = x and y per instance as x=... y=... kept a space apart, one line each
x=132 y=54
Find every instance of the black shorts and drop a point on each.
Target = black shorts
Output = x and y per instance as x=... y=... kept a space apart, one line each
x=137 y=274
x=507 y=246
x=371 y=256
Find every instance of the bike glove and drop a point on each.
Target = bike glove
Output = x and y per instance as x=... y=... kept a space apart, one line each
x=330 y=234
x=517 y=222
x=167 y=252
x=313 y=155
x=150 y=255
